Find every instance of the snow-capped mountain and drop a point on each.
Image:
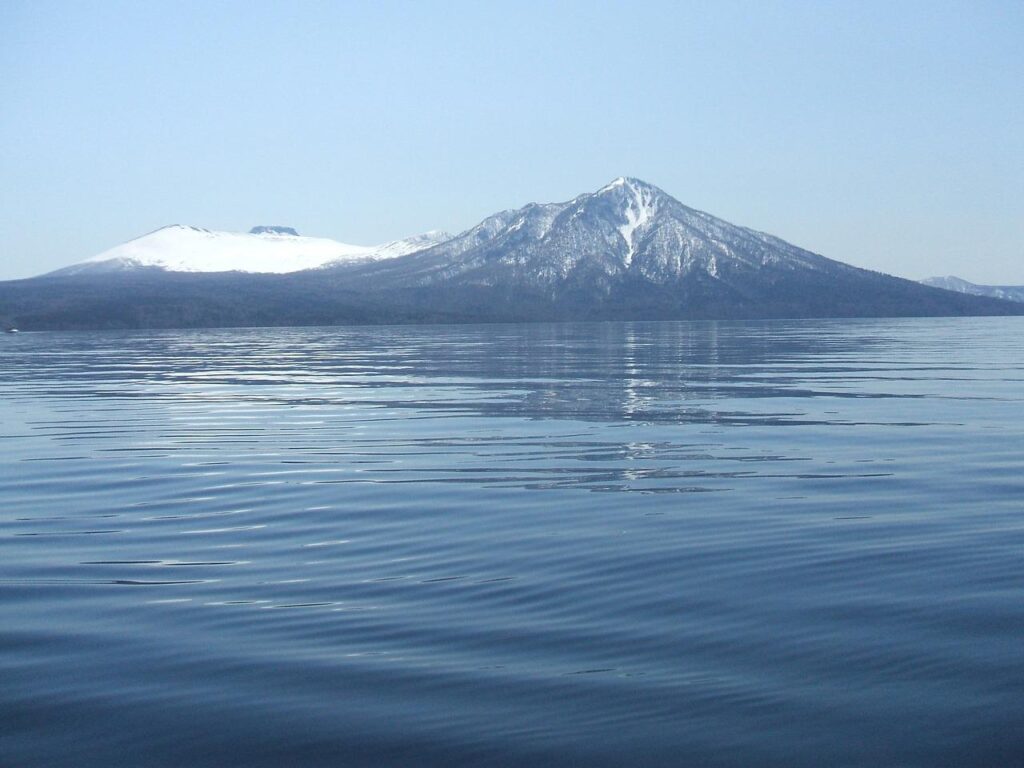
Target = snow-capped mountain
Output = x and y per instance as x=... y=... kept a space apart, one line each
x=627 y=251
x=264 y=249
x=952 y=283
x=628 y=230
x=630 y=250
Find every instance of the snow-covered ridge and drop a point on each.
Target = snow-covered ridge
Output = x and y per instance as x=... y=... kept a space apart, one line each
x=265 y=249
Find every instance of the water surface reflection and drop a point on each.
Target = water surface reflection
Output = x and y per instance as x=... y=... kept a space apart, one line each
x=778 y=543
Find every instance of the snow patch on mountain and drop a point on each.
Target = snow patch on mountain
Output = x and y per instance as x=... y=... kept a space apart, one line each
x=640 y=208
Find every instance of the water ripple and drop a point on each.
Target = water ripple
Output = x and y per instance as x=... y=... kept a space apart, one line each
x=718 y=544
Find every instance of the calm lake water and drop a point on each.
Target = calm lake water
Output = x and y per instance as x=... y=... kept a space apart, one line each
x=650 y=544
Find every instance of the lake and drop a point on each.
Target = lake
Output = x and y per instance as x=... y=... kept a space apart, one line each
x=624 y=544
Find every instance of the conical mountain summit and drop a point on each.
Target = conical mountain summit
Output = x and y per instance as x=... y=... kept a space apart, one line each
x=627 y=230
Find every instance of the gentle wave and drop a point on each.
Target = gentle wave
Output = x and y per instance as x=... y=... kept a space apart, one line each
x=715 y=544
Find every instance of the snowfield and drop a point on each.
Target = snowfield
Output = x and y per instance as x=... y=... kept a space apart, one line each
x=180 y=248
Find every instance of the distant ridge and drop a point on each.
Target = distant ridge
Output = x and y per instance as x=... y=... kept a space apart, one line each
x=628 y=251
x=951 y=283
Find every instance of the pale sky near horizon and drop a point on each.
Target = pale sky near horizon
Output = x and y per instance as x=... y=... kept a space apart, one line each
x=889 y=135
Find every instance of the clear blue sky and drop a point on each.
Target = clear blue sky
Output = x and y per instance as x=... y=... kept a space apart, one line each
x=886 y=134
